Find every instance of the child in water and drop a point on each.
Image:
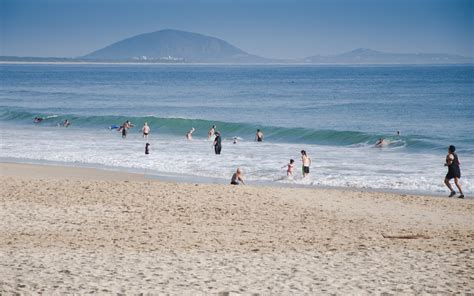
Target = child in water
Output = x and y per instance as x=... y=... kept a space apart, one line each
x=290 y=168
x=237 y=178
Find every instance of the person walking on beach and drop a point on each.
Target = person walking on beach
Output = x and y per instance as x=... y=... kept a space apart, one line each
x=145 y=130
x=147 y=148
x=237 y=178
x=211 y=132
x=259 y=136
x=454 y=171
x=290 y=168
x=306 y=162
x=217 y=143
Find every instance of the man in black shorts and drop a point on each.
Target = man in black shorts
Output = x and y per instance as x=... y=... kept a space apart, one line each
x=454 y=171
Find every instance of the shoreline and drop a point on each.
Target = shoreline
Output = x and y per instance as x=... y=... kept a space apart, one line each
x=145 y=174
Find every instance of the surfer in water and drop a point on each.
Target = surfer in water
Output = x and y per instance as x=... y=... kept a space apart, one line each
x=211 y=132
x=145 y=130
x=189 y=134
x=454 y=171
x=66 y=123
x=259 y=136
x=38 y=119
x=380 y=142
x=237 y=178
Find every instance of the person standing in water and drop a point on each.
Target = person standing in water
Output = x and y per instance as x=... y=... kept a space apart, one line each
x=189 y=135
x=145 y=130
x=211 y=132
x=147 y=148
x=237 y=178
x=454 y=171
x=306 y=162
x=259 y=136
x=217 y=143
x=125 y=126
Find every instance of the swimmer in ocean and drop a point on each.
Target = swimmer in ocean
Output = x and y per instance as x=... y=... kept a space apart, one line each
x=211 y=132
x=145 y=130
x=259 y=136
x=380 y=142
x=125 y=126
x=189 y=135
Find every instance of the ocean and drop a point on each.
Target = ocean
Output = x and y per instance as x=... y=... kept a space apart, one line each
x=335 y=113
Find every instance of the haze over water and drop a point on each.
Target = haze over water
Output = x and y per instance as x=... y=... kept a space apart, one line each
x=335 y=113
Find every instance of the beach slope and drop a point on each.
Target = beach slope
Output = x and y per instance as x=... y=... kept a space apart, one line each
x=72 y=230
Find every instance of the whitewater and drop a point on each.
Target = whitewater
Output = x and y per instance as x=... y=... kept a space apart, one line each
x=334 y=113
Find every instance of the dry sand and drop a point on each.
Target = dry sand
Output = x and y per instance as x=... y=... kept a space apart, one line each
x=71 y=230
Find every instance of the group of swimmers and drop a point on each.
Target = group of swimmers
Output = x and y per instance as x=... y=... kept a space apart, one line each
x=39 y=119
x=452 y=160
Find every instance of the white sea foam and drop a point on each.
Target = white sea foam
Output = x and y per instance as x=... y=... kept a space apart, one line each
x=360 y=167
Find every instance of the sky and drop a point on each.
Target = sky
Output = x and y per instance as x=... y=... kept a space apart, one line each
x=273 y=29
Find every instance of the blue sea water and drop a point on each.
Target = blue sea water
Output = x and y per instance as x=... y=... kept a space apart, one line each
x=335 y=113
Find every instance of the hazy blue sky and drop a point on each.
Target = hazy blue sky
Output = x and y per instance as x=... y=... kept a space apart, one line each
x=277 y=29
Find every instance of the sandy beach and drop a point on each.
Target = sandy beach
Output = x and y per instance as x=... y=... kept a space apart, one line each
x=73 y=230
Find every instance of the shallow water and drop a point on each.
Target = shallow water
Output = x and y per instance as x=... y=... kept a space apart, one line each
x=335 y=113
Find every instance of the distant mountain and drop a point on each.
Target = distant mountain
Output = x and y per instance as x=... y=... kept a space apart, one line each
x=369 y=56
x=175 y=46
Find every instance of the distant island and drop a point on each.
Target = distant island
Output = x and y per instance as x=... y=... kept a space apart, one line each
x=369 y=56
x=174 y=46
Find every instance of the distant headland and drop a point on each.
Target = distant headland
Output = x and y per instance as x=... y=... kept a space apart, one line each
x=174 y=46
